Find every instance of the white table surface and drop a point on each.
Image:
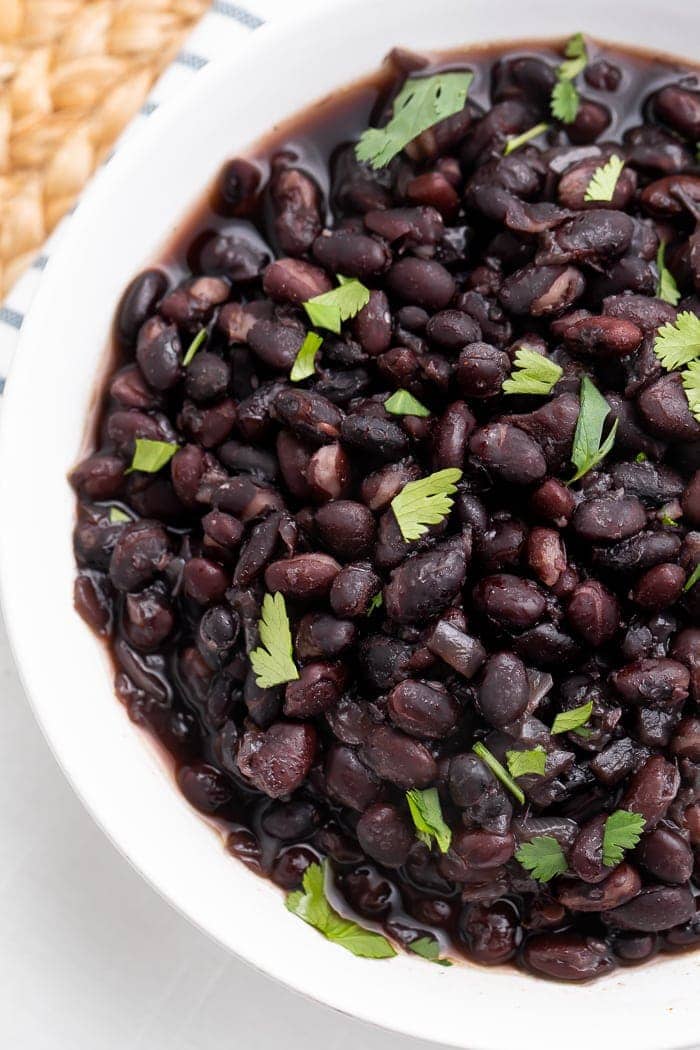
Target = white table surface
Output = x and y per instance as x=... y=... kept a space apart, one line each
x=91 y=958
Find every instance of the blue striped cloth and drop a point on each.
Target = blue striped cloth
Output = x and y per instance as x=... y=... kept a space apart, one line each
x=221 y=29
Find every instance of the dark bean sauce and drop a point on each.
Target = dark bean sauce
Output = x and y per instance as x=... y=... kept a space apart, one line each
x=533 y=598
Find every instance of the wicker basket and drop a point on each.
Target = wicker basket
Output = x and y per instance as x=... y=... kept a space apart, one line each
x=72 y=74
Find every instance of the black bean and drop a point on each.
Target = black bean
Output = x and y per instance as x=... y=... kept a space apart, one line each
x=139 y=302
x=278 y=760
x=384 y=833
x=396 y=757
x=654 y=908
x=481 y=370
x=652 y=681
x=593 y=612
x=607 y=519
x=490 y=932
x=352 y=254
x=318 y=687
x=303 y=576
x=426 y=584
x=567 y=956
x=423 y=709
x=504 y=691
x=421 y=281
x=509 y=452
x=296 y=205
x=616 y=889
x=452 y=329
x=509 y=600
x=142 y=550
x=375 y=436
x=651 y=790
x=294 y=281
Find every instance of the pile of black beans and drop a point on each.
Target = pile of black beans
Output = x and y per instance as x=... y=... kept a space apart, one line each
x=532 y=597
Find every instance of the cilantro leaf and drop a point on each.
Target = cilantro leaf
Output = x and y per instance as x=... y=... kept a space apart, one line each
x=151 y=456
x=565 y=101
x=429 y=948
x=304 y=365
x=426 y=813
x=567 y=721
x=425 y=502
x=641 y=457
x=692 y=579
x=401 y=403
x=194 y=346
x=533 y=374
x=516 y=141
x=117 y=516
x=666 y=287
x=543 y=857
x=577 y=56
x=273 y=660
x=691 y=385
x=677 y=344
x=604 y=180
x=622 y=831
x=311 y=905
x=522 y=762
x=587 y=450
x=498 y=770
x=666 y=519
x=330 y=309
x=376 y=602
x=421 y=103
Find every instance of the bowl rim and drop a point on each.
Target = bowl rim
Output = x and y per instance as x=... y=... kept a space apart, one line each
x=408 y=1020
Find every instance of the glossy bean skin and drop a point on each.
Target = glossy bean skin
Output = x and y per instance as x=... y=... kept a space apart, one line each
x=567 y=957
x=422 y=709
x=654 y=908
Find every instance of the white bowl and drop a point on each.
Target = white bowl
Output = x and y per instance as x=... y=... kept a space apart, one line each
x=134 y=205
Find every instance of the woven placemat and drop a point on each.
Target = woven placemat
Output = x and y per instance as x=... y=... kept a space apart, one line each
x=72 y=74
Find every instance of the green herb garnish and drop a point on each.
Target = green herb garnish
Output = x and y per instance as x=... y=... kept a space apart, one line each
x=375 y=602
x=426 y=813
x=568 y=721
x=565 y=101
x=679 y=343
x=401 y=403
x=151 y=456
x=604 y=180
x=516 y=141
x=273 y=660
x=666 y=287
x=691 y=385
x=641 y=457
x=421 y=103
x=311 y=905
x=692 y=579
x=194 y=346
x=521 y=763
x=543 y=857
x=533 y=374
x=622 y=831
x=429 y=949
x=498 y=770
x=330 y=309
x=117 y=516
x=304 y=362
x=587 y=450
x=425 y=502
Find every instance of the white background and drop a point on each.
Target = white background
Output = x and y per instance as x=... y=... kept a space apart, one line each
x=91 y=958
